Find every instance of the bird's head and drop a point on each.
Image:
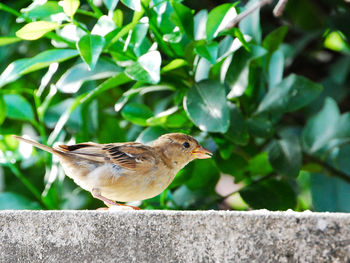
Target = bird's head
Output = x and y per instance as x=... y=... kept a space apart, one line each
x=181 y=148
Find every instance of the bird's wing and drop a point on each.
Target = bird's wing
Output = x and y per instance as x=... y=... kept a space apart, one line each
x=134 y=156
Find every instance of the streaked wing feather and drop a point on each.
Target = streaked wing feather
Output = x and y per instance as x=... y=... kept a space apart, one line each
x=131 y=155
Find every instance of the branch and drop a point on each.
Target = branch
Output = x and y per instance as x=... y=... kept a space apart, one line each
x=278 y=10
x=333 y=171
x=268 y=176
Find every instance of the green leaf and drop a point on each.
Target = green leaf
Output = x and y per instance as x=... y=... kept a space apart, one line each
x=90 y=48
x=329 y=194
x=218 y=18
x=270 y=194
x=202 y=70
x=8 y=40
x=70 y=7
x=209 y=51
x=237 y=131
x=18 y=108
x=174 y=64
x=276 y=67
x=184 y=18
x=104 y=25
x=73 y=78
x=258 y=126
x=200 y=21
x=237 y=75
x=39 y=11
x=150 y=134
x=285 y=155
x=137 y=113
x=186 y=198
x=3 y=109
x=111 y=4
x=14 y=201
x=162 y=117
x=26 y=65
x=132 y=4
x=205 y=104
x=251 y=24
x=205 y=174
x=235 y=165
x=146 y=69
x=293 y=93
x=273 y=40
x=260 y=165
x=35 y=30
x=322 y=127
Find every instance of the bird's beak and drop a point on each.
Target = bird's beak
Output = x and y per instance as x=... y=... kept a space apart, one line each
x=201 y=153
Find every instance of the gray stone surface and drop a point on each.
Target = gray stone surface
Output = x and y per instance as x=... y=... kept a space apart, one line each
x=172 y=236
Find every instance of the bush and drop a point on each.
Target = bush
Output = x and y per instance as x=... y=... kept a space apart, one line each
x=265 y=96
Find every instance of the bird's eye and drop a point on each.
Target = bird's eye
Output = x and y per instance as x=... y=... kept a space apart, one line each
x=186 y=145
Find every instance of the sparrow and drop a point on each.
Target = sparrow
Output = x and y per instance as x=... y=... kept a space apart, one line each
x=128 y=171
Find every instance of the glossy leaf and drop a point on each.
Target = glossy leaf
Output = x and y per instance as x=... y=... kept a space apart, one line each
x=70 y=7
x=205 y=104
x=111 y=4
x=270 y=194
x=322 y=127
x=276 y=66
x=273 y=40
x=90 y=47
x=329 y=194
x=132 y=4
x=146 y=69
x=293 y=93
x=200 y=20
x=27 y=65
x=184 y=18
x=69 y=83
x=218 y=19
x=250 y=25
x=42 y=11
x=238 y=71
x=150 y=134
x=35 y=30
x=260 y=127
x=137 y=113
x=18 y=108
x=209 y=51
x=285 y=155
x=237 y=131
x=104 y=25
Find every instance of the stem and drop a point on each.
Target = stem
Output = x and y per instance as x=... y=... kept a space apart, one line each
x=87 y=13
x=333 y=171
x=13 y=12
x=28 y=184
x=246 y=13
x=94 y=8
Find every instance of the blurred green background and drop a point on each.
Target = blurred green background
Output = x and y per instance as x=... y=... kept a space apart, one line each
x=269 y=97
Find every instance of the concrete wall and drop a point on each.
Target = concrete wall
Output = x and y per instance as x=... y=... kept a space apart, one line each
x=171 y=236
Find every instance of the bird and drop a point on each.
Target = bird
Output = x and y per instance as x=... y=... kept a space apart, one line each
x=126 y=171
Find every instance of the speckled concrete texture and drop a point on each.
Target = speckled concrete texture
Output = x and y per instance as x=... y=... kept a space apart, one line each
x=173 y=236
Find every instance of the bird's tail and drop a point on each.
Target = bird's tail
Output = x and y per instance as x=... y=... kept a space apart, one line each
x=38 y=145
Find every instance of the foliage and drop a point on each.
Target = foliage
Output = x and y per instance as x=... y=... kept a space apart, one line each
x=268 y=100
